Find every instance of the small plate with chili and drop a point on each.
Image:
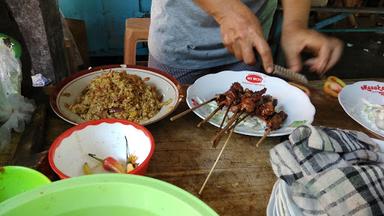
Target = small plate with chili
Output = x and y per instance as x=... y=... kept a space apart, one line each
x=73 y=153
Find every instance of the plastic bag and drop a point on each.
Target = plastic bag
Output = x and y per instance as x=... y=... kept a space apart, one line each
x=15 y=110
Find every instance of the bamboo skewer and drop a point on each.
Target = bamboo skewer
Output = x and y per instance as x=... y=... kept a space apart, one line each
x=233 y=118
x=210 y=115
x=225 y=116
x=214 y=165
x=191 y=109
x=126 y=152
x=266 y=133
x=238 y=121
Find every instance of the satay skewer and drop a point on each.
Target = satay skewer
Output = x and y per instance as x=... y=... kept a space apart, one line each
x=210 y=115
x=214 y=164
x=191 y=109
x=266 y=133
x=225 y=116
x=274 y=123
x=238 y=121
x=231 y=121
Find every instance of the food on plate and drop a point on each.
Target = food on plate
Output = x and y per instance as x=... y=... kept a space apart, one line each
x=333 y=86
x=243 y=104
x=255 y=105
x=132 y=162
x=109 y=164
x=86 y=169
x=374 y=113
x=118 y=95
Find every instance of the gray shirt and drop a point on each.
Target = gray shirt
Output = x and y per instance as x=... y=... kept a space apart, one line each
x=182 y=35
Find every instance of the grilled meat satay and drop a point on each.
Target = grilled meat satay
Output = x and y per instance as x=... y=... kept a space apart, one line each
x=249 y=101
x=276 y=121
x=273 y=123
x=266 y=107
x=226 y=99
x=232 y=96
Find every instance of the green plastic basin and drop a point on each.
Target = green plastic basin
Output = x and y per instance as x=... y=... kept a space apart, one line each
x=106 y=194
x=15 y=180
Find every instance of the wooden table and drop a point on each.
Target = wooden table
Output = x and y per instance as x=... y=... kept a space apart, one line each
x=242 y=181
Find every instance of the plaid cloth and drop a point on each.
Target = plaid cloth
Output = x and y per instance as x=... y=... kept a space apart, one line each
x=331 y=171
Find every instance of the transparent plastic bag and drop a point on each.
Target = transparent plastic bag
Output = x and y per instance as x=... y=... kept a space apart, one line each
x=15 y=110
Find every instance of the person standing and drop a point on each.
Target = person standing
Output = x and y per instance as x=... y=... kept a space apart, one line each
x=189 y=39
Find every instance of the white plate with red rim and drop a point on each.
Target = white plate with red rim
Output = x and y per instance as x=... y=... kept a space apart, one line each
x=104 y=138
x=352 y=97
x=70 y=88
x=291 y=100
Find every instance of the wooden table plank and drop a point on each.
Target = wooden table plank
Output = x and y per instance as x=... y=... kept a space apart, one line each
x=243 y=179
x=184 y=157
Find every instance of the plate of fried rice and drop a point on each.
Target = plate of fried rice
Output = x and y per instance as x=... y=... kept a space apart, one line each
x=135 y=93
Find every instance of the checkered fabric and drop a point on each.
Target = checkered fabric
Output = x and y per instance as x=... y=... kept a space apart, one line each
x=331 y=171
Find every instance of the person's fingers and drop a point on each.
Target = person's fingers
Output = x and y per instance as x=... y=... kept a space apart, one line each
x=310 y=63
x=336 y=54
x=248 y=54
x=327 y=57
x=323 y=58
x=294 y=61
x=265 y=53
x=227 y=42
x=237 y=50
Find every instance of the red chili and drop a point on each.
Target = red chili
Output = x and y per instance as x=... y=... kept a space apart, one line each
x=109 y=164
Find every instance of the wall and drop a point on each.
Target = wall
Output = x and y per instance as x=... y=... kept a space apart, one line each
x=104 y=21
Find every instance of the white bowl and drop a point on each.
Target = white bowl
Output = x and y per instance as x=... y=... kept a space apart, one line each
x=290 y=99
x=70 y=88
x=351 y=99
x=105 y=137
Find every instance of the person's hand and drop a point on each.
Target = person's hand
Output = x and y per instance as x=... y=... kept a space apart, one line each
x=326 y=50
x=242 y=35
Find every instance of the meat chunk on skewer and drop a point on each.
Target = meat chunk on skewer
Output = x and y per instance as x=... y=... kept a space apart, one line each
x=267 y=107
x=249 y=101
x=232 y=96
x=273 y=123
x=277 y=120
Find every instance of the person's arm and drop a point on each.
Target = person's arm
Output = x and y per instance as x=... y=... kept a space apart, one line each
x=241 y=31
x=296 y=38
x=296 y=13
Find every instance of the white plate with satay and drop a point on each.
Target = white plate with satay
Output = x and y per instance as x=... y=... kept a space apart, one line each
x=364 y=102
x=258 y=102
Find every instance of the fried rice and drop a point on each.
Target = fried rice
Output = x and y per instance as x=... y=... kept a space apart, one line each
x=118 y=95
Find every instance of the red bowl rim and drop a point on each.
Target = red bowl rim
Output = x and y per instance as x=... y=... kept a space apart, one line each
x=56 y=143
